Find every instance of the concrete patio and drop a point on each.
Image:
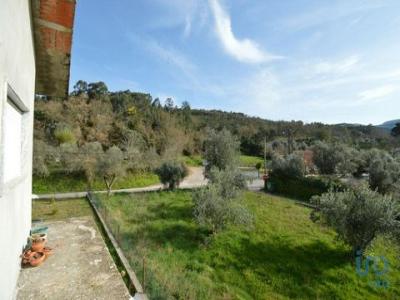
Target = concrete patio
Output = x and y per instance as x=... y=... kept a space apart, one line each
x=81 y=266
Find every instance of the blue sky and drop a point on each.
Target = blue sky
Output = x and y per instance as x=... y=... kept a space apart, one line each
x=324 y=60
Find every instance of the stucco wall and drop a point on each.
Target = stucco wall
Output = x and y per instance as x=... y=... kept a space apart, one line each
x=17 y=69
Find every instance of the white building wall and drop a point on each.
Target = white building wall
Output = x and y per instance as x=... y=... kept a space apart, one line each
x=17 y=70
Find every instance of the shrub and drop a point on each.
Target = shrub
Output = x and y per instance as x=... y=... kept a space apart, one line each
x=229 y=182
x=172 y=173
x=358 y=215
x=302 y=188
x=64 y=135
x=218 y=204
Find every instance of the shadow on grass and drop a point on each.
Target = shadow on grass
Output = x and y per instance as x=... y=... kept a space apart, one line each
x=292 y=270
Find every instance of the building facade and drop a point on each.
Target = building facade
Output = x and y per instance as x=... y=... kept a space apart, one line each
x=34 y=51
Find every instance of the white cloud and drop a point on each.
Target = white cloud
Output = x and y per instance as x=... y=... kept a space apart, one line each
x=338 y=67
x=244 y=50
x=329 y=12
x=377 y=93
x=188 y=26
x=170 y=55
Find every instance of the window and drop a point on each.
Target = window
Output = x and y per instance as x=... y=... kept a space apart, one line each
x=12 y=141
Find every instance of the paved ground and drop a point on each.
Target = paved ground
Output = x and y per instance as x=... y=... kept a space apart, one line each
x=256 y=185
x=80 y=268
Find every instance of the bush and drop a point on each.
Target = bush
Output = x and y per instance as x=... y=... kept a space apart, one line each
x=302 y=188
x=64 y=135
x=172 y=173
x=218 y=204
x=229 y=182
x=359 y=215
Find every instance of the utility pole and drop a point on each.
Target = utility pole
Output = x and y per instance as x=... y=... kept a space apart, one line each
x=265 y=155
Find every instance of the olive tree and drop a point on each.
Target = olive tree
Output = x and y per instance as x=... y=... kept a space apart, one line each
x=172 y=173
x=218 y=204
x=43 y=156
x=292 y=166
x=359 y=215
x=221 y=150
x=384 y=172
x=111 y=166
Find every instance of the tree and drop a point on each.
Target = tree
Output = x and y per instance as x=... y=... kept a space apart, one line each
x=384 y=172
x=229 y=181
x=221 y=150
x=290 y=131
x=396 y=130
x=185 y=105
x=169 y=104
x=111 y=166
x=84 y=159
x=327 y=157
x=96 y=89
x=349 y=160
x=172 y=173
x=43 y=156
x=156 y=103
x=359 y=215
x=291 y=166
x=218 y=204
x=80 y=88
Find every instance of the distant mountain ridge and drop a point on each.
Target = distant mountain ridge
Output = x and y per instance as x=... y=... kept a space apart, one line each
x=389 y=124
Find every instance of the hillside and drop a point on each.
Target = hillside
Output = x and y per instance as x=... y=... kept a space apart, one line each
x=163 y=129
x=389 y=125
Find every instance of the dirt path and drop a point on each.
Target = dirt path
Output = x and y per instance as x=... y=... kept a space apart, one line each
x=193 y=180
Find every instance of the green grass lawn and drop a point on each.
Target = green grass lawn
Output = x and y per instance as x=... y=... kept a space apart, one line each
x=250 y=161
x=284 y=256
x=245 y=160
x=60 y=183
x=47 y=210
x=193 y=161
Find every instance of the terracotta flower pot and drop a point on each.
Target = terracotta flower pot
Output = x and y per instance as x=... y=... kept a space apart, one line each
x=36 y=258
x=26 y=256
x=47 y=251
x=38 y=244
x=39 y=236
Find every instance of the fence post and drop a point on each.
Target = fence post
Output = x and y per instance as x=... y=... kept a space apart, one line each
x=144 y=274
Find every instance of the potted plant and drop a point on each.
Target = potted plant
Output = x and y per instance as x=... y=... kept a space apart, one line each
x=38 y=244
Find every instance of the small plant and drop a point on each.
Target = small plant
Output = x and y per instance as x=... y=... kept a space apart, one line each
x=64 y=135
x=172 y=173
x=258 y=167
x=54 y=209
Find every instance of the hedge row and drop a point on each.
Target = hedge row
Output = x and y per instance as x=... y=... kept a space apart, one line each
x=302 y=188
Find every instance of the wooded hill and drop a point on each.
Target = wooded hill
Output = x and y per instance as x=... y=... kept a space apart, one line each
x=163 y=131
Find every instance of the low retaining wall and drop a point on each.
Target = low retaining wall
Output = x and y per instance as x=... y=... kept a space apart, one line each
x=133 y=280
